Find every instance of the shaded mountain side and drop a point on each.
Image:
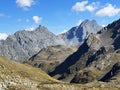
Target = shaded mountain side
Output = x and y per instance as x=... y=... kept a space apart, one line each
x=24 y=44
x=113 y=74
x=16 y=76
x=77 y=35
x=97 y=69
x=50 y=57
x=77 y=60
x=105 y=57
x=98 y=51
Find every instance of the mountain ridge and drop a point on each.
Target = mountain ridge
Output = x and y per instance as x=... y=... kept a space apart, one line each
x=98 y=51
x=23 y=44
x=76 y=35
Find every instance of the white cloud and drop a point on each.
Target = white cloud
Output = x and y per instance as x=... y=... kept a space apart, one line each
x=31 y=28
x=108 y=10
x=83 y=6
x=80 y=6
x=3 y=36
x=92 y=7
x=79 y=22
x=25 y=4
x=37 y=19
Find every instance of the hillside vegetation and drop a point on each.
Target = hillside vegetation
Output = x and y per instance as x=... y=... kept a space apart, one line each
x=16 y=76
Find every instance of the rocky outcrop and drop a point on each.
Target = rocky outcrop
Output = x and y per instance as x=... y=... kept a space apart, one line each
x=99 y=51
x=24 y=44
x=112 y=74
x=76 y=35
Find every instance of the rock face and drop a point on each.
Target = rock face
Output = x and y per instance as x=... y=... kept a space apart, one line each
x=24 y=44
x=94 y=58
x=76 y=35
x=50 y=57
x=113 y=74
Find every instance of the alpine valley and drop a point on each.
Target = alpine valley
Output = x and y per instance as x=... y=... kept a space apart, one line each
x=86 y=57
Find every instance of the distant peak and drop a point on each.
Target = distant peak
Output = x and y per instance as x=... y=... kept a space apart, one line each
x=89 y=21
x=41 y=28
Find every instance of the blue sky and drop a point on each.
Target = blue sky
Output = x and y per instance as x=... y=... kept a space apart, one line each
x=56 y=15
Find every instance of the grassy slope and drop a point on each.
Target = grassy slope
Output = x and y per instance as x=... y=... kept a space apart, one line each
x=10 y=70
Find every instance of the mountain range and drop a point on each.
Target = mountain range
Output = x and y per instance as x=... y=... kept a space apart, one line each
x=24 y=44
x=92 y=61
x=100 y=53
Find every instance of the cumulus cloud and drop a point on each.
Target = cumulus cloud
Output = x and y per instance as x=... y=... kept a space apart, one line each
x=92 y=7
x=37 y=19
x=83 y=6
x=108 y=10
x=79 y=6
x=3 y=36
x=25 y=4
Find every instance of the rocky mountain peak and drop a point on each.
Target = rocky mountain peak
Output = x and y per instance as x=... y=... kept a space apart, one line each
x=76 y=35
x=97 y=54
x=24 y=44
x=87 y=21
x=41 y=28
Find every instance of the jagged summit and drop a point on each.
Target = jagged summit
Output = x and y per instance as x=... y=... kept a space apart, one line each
x=76 y=35
x=41 y=28
x=23 y=44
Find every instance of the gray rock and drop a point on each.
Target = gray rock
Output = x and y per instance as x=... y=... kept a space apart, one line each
x=24 y=44
x=115 y=70
x=98 y=51
x=76 y=35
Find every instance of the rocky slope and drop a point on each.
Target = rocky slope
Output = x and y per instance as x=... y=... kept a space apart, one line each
x=76 y=35
x=21 y=76
x=94 y=58
x=24 y=44
x=16 y=76
x=50 y=57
